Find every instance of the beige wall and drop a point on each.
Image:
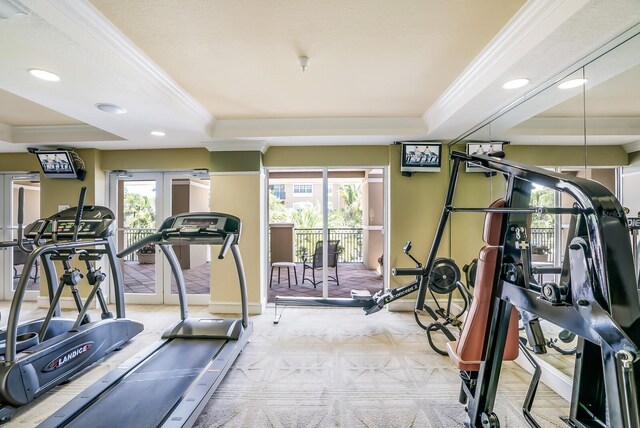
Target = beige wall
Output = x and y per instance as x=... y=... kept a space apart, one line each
x=239 y=194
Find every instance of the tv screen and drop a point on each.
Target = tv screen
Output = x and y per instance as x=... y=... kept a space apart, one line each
x=482 y=148
x=421 y=156
x=57 y=163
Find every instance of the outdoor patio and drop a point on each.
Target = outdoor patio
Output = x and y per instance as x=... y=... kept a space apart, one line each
x=140 y=278
x=353 y=276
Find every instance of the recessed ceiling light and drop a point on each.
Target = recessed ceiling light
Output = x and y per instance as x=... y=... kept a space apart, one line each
x=44 y=75
x=515 y=83
x=573 y=83
x=157 y=133
x=111 y=108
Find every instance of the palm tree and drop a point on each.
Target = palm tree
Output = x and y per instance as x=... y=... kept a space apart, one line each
x=139 y=211
x=350 y=214
x=278 y=213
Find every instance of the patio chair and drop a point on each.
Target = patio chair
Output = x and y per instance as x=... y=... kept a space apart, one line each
x=315 y=262
x=281 y=242
x=19 y=258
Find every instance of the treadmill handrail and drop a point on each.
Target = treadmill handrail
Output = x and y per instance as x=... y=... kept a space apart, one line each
x=154 y=238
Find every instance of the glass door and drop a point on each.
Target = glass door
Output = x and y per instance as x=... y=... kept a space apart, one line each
x=141 y=202
x=136 y=198
x=325 y=231
x=188 y=192
x=12 y=260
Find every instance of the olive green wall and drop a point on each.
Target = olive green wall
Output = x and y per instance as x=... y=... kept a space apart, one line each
x=568 y=155
x=326 y=156
x=236 y=161
x=157 y=160
x=19 y=162
x=415 y=206
x=415 y=203
x=634 y=159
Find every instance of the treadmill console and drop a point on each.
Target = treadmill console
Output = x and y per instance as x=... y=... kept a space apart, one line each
x=202 y=227
x=96 y=223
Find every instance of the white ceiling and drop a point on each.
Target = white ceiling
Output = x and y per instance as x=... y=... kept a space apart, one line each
x=225 y=75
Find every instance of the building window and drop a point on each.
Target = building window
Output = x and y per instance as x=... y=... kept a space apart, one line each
x=301 y=206
x=302 y=190
x=278 y=191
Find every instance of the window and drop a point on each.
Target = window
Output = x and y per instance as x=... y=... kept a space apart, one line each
x=302 y=190
x=278 y=191
x=300 y=206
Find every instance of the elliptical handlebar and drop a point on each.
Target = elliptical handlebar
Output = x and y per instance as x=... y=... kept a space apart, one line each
x=79 y=210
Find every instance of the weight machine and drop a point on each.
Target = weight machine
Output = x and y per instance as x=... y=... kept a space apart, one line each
x=596 y=298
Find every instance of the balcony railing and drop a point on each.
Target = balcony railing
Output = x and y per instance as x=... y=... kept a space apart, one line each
x=542 y=243
x=131 y=236
x=350 y=242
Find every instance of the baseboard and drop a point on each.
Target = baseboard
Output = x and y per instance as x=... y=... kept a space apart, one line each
x=402 y=306
x=235 y=308
x=559 y=382
x=65 y=302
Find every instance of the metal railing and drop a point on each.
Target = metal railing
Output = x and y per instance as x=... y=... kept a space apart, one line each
x=350 y=242
x=133 y=235
x=542 y=243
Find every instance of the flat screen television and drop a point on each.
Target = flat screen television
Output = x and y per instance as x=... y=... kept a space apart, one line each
x=421 y=156
x=482 y=148
x=57 y=163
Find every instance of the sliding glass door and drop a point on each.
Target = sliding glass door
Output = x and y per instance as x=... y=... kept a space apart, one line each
x=326 y=227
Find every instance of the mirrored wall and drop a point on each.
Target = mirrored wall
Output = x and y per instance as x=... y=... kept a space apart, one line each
x=585 y=122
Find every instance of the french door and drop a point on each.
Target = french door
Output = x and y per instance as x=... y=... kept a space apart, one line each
x=141 y=202
x=12 y=259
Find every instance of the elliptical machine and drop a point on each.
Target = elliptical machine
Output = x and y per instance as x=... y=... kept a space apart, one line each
x=40 y=354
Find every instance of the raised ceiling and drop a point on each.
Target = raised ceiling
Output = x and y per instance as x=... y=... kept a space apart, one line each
x=225 y=75
x=368 y=58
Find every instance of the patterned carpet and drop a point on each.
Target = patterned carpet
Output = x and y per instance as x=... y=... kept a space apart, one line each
x=338 y=368
x=321 y=368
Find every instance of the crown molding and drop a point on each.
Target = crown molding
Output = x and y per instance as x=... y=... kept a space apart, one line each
x=5 y=133
x=533 y=22
x=59 y=134
x=11 y=8
x=92 y=22
x=263 y=128
x=631 y=147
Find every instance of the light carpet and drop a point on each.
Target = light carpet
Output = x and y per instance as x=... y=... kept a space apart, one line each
x=322 y=368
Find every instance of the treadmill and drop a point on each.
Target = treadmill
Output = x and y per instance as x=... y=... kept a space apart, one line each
x=169 y=383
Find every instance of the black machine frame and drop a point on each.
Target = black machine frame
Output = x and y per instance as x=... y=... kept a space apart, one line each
x=596 y=299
